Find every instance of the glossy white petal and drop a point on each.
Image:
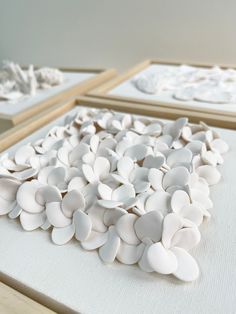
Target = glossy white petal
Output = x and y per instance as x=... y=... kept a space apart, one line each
x=125 y=166
x=155 y=178
x=63 y=235
x=95 y=240
x=56 y=216
x=47 y=194
x=83 y=225
x=26 y=197
x=187 y=269
x=176 y=176
x=105 y=191
x=160 y=201
x=129 y=254
x=30 y=221
x=125 y=229
x=8 y=189
x=136 y=152
x=123 y=193
x=72 y=201
x=179 y=199
x=101 y=167
x=161 y=260
x=186 y=238
x=109 y=250
x=149 y=226
x=171 y=224
x=209 y=173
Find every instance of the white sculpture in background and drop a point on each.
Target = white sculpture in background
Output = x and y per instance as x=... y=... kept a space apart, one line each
x=135 y=188
x=16 y=83
x=188 y=83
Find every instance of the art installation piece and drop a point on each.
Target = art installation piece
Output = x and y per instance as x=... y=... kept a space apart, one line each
x=186 y=83
x=134 y=188
x=16 y=83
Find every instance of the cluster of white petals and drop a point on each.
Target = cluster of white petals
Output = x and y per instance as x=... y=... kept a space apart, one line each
x=187 y=83
x=135 y=188
x=16 y=82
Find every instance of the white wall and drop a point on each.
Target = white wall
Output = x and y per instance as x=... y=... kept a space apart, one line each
x=117 y=33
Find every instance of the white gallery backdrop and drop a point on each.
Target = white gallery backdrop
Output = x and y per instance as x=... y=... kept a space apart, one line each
x=109 y=33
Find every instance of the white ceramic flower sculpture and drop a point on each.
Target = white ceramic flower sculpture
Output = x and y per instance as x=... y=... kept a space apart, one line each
x=16 y=82
x=185 y=83
x=135 y=188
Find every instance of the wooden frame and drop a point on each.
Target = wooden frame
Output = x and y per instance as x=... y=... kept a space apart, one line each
x=103 y=90
x=17 y=133
x=12 y=301
x=101 y=76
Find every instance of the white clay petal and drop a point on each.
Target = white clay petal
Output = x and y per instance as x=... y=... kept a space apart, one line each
x=96 y=214
x=153 y=128
x=141 y=186
x=6 y=206
x=209 y=173
x=112 y=215
x=123 y=193
x=56 y=216
x=26 y=197
x=171 y=224
x=153 y=161
x=155 y=178
x=129 y=254
x=23 y=154
x=179 y=199
x=160 y=201
x=143 y=262
x=105 y=191
x=186 y=238
x=8 y=189
x=192 y=213
x=125 y=166
x=83 y=225
x=110 y=249
x=63 y=235
x=125 y=229
x=179 y=155
x=220 y=146
x=30 y=221
x=201 y=198
x=187 y=269
x=77 y=183
x=109 y=203
x=94 y=142
x=149 y=226
x=56 y=176
x=15 y=212
x=101 y=167
x=89 y=174
x=161 y=260
x=176 y=176
x=95 y=240
x=136 y=152
x=47 y=194
x=72 y=201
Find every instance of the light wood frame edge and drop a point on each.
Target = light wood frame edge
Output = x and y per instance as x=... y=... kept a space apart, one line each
x=36 y=296
x=13 y=301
